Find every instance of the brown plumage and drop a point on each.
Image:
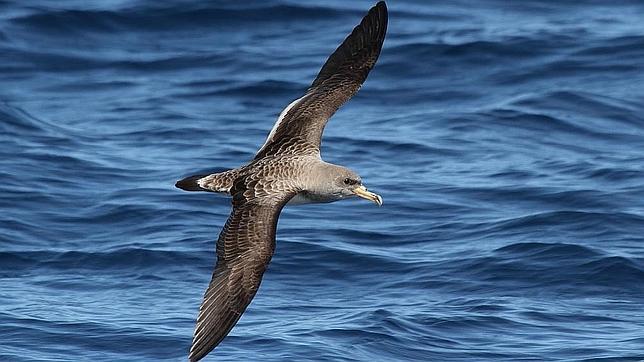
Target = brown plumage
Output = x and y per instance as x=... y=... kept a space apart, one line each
x=287 y=168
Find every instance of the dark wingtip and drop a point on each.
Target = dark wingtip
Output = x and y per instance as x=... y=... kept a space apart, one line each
x=381 y=7
x=190 y=183
x=360 y=49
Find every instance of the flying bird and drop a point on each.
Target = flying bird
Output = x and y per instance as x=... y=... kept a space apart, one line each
x=287 y=169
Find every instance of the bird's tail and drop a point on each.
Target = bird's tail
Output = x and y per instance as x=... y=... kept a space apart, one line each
x=215 y=182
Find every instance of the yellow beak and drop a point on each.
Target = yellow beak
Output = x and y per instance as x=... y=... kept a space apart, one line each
x=361 y=191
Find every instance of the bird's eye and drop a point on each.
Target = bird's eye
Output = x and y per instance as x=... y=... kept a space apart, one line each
x=348 y=181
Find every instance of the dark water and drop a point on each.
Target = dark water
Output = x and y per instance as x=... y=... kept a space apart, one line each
x=506 y=137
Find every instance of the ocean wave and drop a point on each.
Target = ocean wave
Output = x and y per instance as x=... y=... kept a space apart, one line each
x=579 y=269
x=125 y=260
x=16 y=121
x=548 y=251
x=172 y=17
x=508 y=154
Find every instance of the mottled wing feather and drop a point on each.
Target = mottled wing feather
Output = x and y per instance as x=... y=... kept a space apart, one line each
x=244 y=249
x=299 y=128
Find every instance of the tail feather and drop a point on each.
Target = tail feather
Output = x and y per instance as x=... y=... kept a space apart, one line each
x=215 y=182
x=191 y=183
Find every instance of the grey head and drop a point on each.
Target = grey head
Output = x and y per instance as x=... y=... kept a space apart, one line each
x=328 y=183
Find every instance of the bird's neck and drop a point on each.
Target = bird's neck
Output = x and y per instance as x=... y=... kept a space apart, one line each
x=314 y=174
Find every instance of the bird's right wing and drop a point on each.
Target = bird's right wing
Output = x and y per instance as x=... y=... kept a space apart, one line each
x=244 y=249
x=300 y=125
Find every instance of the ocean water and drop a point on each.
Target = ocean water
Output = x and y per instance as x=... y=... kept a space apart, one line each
x=506 y=138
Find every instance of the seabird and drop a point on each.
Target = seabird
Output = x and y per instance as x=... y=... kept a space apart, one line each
x=287 y=169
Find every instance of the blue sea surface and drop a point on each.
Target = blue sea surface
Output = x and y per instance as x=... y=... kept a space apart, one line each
x=506 y=138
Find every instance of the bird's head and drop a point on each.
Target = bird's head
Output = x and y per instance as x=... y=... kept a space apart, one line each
x=343 y=183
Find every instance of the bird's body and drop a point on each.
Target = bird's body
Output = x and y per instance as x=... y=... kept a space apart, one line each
x=287 y=169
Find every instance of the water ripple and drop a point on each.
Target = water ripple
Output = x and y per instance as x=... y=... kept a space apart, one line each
x=505 y=139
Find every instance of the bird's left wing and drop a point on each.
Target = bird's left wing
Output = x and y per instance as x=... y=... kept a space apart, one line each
x=244 y=249
x=299 y=128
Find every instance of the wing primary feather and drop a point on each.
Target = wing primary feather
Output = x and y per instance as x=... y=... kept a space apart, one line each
x=367 y=36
